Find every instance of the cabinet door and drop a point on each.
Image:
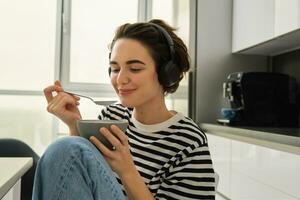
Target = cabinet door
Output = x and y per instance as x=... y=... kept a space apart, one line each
x=253 y=23
x=220 y=149
x=245 y=188
x=263 y=173
x=286 y=16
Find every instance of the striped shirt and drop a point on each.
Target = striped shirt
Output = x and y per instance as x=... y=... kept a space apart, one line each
x=172 y=156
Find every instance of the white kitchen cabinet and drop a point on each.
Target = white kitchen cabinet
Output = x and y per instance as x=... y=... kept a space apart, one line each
x=273 y=171
x=253 y=172
x=220 y=149
x=287 y=16
x=253 y=23
x=268 y=27
x=245 y=188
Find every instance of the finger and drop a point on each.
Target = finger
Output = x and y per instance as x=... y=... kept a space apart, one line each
x=50 y=107
x=119 y=134
x=58 y=106
x=58 y=89
x=57 y=82
x=62 y=100
x=58 y=110
x=58 y=86
x=105 y=151
x=53 y=106
x=77 y=98
x=48 y=93
x=110 y=137
x=64 y=94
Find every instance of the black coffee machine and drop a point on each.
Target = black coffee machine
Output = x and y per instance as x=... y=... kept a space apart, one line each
x=262 y=99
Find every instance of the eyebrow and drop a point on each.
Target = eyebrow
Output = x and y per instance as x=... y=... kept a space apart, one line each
x=127 y=62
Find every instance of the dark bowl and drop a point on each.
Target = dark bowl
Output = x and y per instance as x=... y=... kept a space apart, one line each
x=88 y=128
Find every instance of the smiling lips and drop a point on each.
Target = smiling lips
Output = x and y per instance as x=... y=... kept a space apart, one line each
x=125 y=92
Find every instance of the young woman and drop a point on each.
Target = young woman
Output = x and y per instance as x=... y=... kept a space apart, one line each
x=162 y=154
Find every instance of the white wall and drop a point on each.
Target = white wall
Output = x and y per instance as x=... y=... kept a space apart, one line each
x=214 y=60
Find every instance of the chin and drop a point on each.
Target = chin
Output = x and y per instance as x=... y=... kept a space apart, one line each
x=127 y=103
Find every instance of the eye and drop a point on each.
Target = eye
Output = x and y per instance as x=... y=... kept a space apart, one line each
x=135 y=70
x=114 y=70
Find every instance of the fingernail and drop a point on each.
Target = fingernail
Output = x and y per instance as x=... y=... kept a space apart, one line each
x=102 y=129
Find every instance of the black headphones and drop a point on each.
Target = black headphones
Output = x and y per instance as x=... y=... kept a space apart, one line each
x=169 y=73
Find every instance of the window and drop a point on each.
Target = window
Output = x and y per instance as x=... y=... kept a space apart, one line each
x=27 y=65
x=93 y=24
x=27 y=39
x=27 y=119
x=164 y=10
x=176 y=13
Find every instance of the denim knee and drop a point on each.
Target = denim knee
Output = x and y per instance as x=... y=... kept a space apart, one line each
x=70 y=143
x=61 y=150
x=74 y=167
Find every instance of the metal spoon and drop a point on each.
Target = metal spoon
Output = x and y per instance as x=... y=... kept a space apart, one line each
x=103 y=103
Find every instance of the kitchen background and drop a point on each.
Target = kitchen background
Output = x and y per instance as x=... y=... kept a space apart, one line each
x=43 y=40
x=254 y=163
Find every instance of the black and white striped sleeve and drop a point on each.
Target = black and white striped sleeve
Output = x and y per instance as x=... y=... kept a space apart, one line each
x=191 y=177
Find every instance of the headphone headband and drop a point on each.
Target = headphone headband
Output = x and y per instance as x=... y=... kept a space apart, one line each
x=168 y=38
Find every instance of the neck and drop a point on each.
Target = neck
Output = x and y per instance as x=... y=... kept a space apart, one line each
x=155 y=113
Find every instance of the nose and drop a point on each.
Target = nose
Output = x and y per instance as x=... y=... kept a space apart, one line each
x=123 y=77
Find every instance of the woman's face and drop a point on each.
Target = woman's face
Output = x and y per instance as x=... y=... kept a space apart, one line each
x=133 y=74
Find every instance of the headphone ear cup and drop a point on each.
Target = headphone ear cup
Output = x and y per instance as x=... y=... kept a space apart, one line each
x=169 y=74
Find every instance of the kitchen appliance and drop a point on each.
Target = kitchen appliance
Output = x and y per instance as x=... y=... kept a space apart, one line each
x=261 y=99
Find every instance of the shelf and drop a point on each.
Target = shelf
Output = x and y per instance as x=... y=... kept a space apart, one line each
x=276 y=46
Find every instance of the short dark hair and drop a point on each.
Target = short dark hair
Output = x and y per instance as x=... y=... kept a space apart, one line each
x=157 y=45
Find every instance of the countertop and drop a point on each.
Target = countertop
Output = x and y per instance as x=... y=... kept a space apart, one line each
x=11 y=170
x=283 y=139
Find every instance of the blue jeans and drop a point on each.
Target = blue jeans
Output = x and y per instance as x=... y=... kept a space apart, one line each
x=73 y=168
